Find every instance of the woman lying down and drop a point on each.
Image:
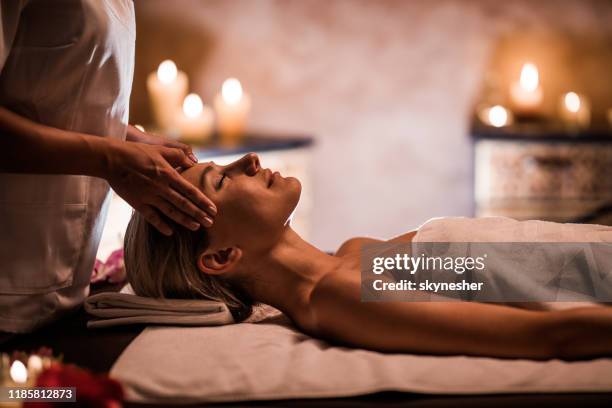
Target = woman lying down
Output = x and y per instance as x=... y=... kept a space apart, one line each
x=252 y=255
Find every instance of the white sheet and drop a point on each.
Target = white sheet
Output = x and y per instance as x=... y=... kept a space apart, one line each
x=271 y=360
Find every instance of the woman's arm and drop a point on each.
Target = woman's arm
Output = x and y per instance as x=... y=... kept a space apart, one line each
x=29 y=147
x=457 y=327
x=143 y=175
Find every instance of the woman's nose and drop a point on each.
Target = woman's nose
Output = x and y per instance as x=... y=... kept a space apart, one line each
x=249 y=164
x=253 y=165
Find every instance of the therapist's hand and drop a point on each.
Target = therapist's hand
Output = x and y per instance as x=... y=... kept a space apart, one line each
x=145 y=176
x=134 y=134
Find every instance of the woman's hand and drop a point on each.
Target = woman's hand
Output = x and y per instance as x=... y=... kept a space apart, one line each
x=136 y=135
x=145 y=176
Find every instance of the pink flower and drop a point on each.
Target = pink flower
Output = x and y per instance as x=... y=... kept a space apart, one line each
x=113 y=270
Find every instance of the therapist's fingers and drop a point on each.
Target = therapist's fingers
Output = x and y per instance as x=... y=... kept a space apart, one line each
x=177 y=215
x=151 y=215
x=182 y=186
x=177 y=157
x=182 y=146
x=186 y=206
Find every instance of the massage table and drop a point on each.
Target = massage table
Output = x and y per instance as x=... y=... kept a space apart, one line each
x=99 y=349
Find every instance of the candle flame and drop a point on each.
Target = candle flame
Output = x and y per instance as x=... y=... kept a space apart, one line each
x=167 y=72
x=231 y=91
x=498 y=116
x=572 y=102
x=192 y=106
x=529 y=77
x=35 y=363
x=18 y=372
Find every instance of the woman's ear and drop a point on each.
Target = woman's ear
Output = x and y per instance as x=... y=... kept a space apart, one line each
x=219 y=262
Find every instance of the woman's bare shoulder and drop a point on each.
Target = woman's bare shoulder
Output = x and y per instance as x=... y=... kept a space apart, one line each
x=355 y=244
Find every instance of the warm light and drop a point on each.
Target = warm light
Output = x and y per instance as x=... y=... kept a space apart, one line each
x=529 y=77
x=167 y=72
x=193 y=106
x=35 y=363
x=140 y=127
x=498 y=116
x=18 y=372
x=572 y=102
x=231 y=91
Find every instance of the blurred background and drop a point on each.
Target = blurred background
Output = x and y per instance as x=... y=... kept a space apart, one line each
x=391 y=91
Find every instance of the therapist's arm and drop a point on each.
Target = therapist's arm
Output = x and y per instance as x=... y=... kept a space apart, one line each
x=142 y=174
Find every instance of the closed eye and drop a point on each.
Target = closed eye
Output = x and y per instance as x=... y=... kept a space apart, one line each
x=220 y=184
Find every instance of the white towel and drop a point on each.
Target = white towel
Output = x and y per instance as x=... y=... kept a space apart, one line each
x=113 y=309
x=504 y=229
x=539 y=260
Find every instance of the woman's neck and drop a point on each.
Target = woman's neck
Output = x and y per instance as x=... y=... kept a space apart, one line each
x=285 y=276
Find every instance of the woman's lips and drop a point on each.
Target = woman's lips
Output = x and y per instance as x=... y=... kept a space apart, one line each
x=271 y=177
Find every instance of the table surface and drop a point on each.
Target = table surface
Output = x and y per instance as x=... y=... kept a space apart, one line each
x=98 y=349
x=251 y=143
x=541 y=133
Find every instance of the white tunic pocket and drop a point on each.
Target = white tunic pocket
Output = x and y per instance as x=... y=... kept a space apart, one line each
x=42 y=230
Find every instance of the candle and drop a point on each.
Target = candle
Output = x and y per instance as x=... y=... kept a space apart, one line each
x=195 y=121
x=232 y=106
x=18 y=372
x=496 y=116
x=575 y=110
x=526 y=93
x=167 y=87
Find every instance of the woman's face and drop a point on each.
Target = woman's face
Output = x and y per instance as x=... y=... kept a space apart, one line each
x=253 y=204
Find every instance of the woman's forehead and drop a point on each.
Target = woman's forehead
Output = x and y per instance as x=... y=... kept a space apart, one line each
x=195 y=174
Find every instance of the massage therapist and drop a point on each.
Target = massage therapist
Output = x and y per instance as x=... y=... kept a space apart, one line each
x=65 y=79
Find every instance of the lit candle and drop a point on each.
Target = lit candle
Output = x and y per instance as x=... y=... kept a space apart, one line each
x=232 y=106
x=18 y=372
x=195 y=121
x=496 y=116
x=35 y=365
x=526 y=93
x=575 y=110
x=167 y=87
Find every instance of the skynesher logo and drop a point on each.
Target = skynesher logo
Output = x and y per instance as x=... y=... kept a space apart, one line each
x=405 y=262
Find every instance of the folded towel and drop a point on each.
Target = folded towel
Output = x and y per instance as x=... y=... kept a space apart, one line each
x=113 y=309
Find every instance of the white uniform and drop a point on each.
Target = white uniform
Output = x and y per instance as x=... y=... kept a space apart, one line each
x=67 y=64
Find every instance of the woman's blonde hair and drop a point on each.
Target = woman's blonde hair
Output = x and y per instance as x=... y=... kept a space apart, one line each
x=161 y=266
